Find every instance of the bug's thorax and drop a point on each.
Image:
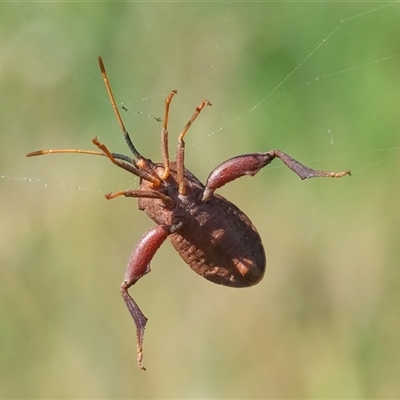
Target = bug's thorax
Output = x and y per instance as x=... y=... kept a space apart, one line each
x=158 y=210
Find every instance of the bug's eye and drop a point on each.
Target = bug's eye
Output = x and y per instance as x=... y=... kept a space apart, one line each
x=168 y=203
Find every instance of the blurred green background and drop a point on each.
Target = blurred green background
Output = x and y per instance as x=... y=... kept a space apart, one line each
x=325 y=320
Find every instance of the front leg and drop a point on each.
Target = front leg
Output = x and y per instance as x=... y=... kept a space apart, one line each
x=138 y=266
x=250 y=164
x=168 y=201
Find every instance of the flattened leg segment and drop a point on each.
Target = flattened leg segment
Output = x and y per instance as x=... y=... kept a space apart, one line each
x=138 y=266
x=250 y=164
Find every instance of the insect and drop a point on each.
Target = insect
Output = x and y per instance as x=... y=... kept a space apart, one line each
x=213 y=236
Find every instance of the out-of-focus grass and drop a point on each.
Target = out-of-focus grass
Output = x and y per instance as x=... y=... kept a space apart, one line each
x=323 y=323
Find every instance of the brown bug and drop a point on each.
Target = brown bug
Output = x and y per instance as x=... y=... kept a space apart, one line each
x=213 y=236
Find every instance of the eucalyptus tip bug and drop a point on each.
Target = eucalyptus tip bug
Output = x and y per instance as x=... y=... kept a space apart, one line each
x=213 y=236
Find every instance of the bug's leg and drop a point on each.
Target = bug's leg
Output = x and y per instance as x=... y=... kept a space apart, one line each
x=138 y=266
x=164 y=136
x=180 y=153
x=130 y=165
x=169 y=201
x=250 y=164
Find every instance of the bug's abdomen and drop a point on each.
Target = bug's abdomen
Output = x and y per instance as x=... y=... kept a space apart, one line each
x=221 y=244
